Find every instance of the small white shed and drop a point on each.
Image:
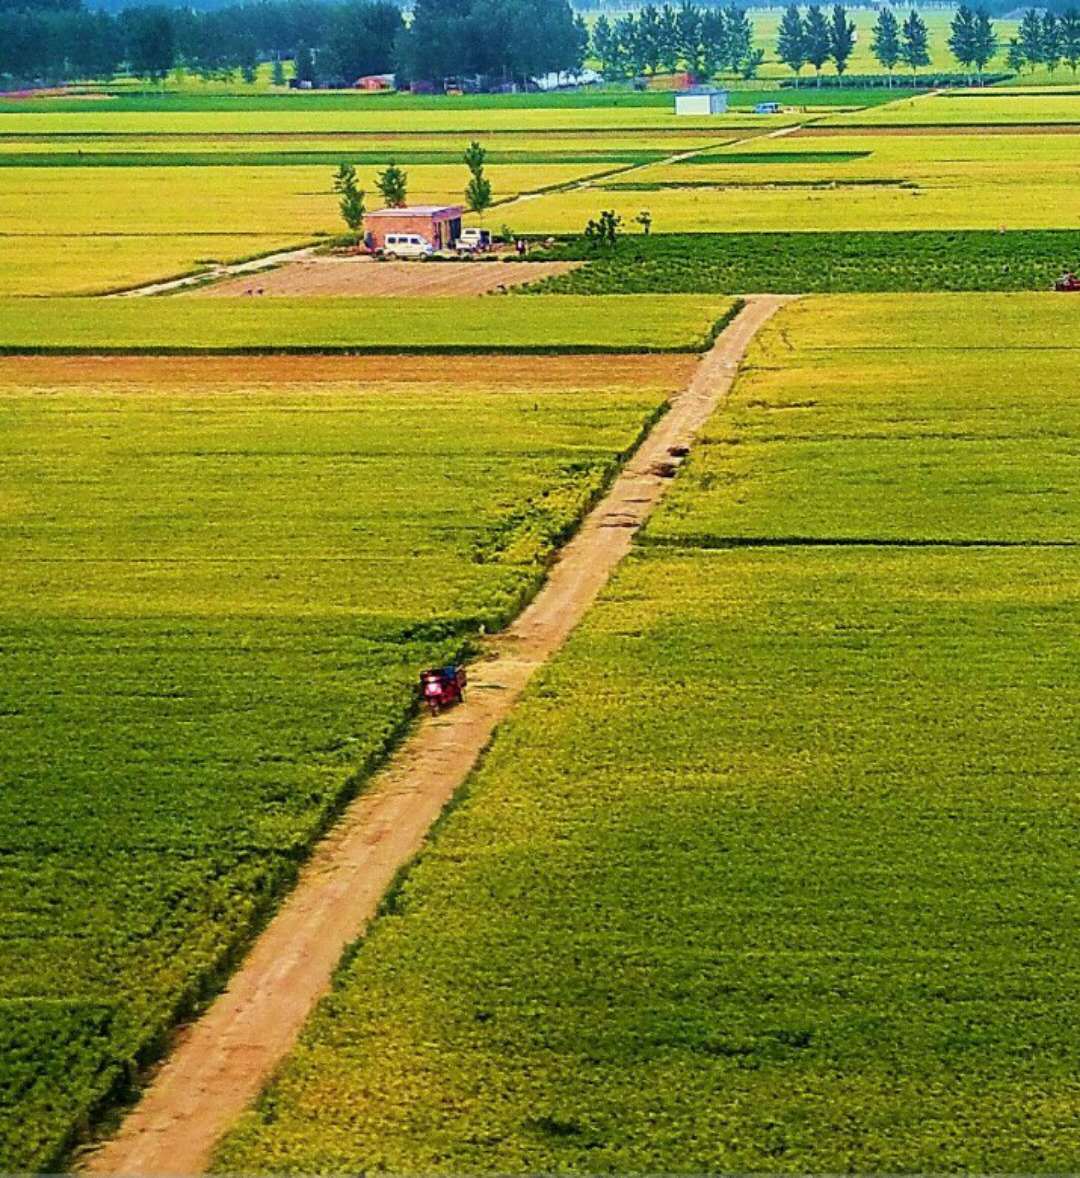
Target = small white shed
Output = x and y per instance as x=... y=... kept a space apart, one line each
x=701 y=102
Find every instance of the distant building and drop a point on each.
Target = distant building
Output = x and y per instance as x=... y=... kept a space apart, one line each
x=438 y=225
x=375 y=82
x=701 y=102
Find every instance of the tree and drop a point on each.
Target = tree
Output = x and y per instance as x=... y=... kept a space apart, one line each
x=714 y=41
x=668 y=34
x=277 y=74
x=962 y=36
x=305 y=65
x=1014 y=55
x=885 y=44
x=1031 y=37
x=581 y=42
x=350 y=197
x=841 y=38
x=740 y=43
x=1070 y=38
x=984 y=41
x=605 y=47
x=393 y=183
x=791 y=41
x=688 y=25
x=644 y=219
x=818 y=46
x=151 y=45
x=1051 y=41
x=648 y=37
x=478 y=190
x=914 y=44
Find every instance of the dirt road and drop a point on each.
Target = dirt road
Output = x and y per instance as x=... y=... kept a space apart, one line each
x=224 y=1060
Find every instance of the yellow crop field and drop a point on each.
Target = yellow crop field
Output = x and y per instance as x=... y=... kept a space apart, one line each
x=898 y=182
x=84 y=230
x=961 y=108
x=443 y=120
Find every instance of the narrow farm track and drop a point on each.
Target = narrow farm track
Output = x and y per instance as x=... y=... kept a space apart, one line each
x=223 y=1061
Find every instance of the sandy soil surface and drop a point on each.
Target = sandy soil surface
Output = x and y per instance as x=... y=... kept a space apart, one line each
x=362 y=276
x=214 y=374
x=222 y=1062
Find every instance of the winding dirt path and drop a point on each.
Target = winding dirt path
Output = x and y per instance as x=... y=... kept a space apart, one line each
x=221 y=1064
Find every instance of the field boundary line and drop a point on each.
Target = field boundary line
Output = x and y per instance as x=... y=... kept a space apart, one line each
x=223 y=1061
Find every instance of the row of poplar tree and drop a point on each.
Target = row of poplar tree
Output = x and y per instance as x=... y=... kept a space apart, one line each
x=814 y=38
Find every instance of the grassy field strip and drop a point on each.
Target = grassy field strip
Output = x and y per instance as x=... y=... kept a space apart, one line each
x=219 y=582
x=771 y=869
x=206 y=1085
x=673 y=323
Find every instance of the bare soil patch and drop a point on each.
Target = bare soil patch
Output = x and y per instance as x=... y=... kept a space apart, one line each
x=215 y=374
x=362 y=276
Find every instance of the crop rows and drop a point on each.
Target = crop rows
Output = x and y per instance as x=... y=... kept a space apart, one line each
x=808 y=262
x=214 y=600
x=772 y=869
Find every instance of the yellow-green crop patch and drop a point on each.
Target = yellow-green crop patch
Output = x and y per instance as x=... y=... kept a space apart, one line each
x=968 y=108
x=559 y=323
x=891 y=182
x=772 y=870
x=74 y=230
x=928 y=418
x=218 y=582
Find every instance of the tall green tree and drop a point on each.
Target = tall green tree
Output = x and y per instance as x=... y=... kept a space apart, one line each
x=305 y=65
x=914 y=43
x=668 y=32
x=350 y=197
x=648 y=37
x=791 y=41
x=393 y=184
x=604 y=46
x=1070 y=38
x=478 y=189
x=277 y=72
x=1051 y=41
x=1031 y=37
x=152 y=44
x=1014 y=55
x=962 y=36
x=885 y=41
x=984 y=41
x=740 y=42
x=714 y=41
x=818 y=42
x=688 y=37
x=841 y=38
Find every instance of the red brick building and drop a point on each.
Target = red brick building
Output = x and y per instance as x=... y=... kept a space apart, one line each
x=438 y=225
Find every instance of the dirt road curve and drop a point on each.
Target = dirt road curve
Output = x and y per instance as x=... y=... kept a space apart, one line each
x=222 y=1063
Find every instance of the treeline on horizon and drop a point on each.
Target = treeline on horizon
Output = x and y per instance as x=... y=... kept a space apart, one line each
x=333 y=41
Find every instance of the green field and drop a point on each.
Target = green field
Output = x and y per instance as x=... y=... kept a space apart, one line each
x=793 y=263
x=571 y=323
x=771 y=871
x=219 y=581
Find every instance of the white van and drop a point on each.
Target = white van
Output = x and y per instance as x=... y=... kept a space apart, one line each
x=408 y=245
